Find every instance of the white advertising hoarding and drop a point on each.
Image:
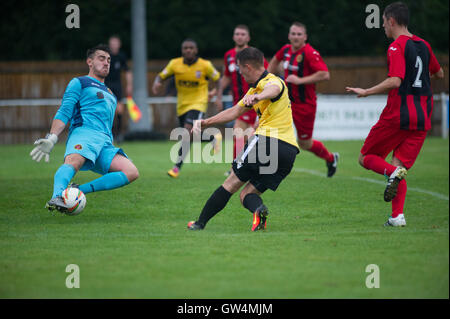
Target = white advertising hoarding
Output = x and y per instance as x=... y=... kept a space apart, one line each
x=346 y=117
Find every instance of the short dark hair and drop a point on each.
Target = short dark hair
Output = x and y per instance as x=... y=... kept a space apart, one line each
x=299 y=24
x=103 y=47
x=189 y=40
x=243 y=27
x=251 y=56
x=399 y=11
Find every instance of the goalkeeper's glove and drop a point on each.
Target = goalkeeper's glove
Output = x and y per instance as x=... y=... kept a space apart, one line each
x=44 y=147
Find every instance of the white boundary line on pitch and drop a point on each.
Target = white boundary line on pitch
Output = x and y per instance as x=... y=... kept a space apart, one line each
x=369 y=180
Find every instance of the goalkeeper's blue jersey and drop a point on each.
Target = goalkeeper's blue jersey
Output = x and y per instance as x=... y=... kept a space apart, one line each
x=89 y=103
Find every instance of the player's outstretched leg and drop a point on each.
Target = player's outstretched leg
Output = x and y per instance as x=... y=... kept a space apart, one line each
x=216 y=202
x=61 y=179
x=122 y=172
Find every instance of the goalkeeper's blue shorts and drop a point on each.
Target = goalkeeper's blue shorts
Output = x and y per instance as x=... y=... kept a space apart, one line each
x=94 y=146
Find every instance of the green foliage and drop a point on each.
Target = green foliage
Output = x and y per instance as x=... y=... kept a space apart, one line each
x=37 y=28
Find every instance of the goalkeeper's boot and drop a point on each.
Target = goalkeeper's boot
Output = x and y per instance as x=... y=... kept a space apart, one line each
x=194 y=226
x=73 y=185
x=260 y=218
x=58 y=204
x=392 y=185
x=397 y=221
x=174 y=172
x=332 y=166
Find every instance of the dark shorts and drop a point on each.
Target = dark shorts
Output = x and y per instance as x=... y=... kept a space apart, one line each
x=189 y=117
x=265 y=162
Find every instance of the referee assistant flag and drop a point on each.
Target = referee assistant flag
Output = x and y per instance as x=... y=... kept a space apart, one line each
x=133 y=110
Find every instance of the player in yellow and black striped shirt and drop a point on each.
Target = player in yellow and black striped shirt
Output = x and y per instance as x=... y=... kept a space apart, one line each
x=268 y=156
x=192 y=75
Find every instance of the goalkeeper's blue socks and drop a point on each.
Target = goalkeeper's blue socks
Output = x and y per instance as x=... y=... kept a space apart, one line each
x=106 y=182
x=62 y=179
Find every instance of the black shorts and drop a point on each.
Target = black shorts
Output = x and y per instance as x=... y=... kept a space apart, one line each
x=265 y=162
x=189 y=117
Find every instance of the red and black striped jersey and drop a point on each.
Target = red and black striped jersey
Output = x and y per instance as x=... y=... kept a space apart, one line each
x=238 y=85
x=303 y=62
x=410 y=106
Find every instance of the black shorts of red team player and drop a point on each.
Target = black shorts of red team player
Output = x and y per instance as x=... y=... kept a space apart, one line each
x=265 y=162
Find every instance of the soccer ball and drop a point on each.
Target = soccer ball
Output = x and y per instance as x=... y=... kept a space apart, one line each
x=75 y=200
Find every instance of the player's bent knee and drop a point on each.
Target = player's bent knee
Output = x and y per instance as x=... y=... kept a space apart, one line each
x=305 y=144
x=132 y=174
x=76 y=160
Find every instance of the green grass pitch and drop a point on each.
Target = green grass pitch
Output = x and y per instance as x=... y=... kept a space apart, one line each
x=133 y=243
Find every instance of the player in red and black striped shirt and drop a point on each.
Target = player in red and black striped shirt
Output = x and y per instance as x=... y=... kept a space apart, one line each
x=303 y=67
x=406 y=118
x=231 y=76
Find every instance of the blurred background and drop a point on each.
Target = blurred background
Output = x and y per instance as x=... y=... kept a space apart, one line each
x=39 y=55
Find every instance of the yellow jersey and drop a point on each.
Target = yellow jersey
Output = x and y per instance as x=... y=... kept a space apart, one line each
x=191 y=81
x=275 y=115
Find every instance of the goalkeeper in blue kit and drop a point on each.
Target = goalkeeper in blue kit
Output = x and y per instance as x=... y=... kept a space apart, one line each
x=89 y=106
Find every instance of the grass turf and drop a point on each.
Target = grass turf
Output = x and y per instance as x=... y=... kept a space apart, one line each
x=133 y=242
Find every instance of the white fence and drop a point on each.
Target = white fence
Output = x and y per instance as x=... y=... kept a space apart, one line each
x=339 y=117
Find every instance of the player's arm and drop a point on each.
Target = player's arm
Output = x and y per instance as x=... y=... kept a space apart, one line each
x=157 y=85
x=310 y=79
x=388 y=84
x=439 y=74
x=45 y=145
x=220 y=118
x=274 y=65
x=270 y=91
x=165 y=73
x=223 y=83
x=213 y=75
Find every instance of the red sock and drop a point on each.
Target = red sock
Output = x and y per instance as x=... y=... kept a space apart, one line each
x=399 y=201
x=378 y=165
x=320 y=150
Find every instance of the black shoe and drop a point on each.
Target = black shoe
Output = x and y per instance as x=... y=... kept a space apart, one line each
x=73 y=185
x=58 y=204
x=332 y=166
x=194 y=226
x=392 y=185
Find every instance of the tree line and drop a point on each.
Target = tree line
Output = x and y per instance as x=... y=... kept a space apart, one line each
x=36 y=30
